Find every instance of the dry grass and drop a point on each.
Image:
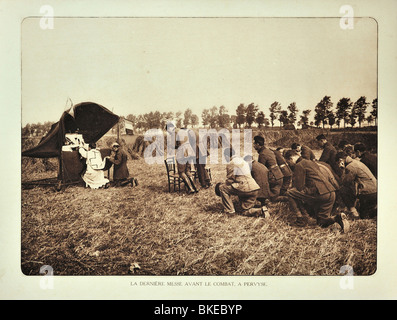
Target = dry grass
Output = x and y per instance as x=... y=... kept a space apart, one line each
x=81 y=231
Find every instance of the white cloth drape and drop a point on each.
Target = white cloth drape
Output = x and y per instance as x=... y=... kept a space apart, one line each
x=94 y=176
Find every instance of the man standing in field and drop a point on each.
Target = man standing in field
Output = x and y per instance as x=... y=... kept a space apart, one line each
x=201 y=159
x=185 y=142
x=185 y=156
x=315 y=188
x=240 y=183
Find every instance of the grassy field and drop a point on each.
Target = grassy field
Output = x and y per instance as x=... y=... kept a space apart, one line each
x=80 y=231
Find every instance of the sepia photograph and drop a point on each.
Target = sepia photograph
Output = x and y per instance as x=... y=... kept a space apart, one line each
x=176 y=150
x=199 y=146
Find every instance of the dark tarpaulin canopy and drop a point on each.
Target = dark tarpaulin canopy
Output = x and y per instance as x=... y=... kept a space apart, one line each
x=87 y=118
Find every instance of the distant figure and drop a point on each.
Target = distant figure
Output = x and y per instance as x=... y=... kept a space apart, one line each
x=201 y=158
x=281 y=150
x=183 y=144
x=369 y=159
x=288 y=157
x=171 y=132
x=185 y=157
x=94 y=175
x=342 y=144
x=121 y=175
x=304 y=151
x=349 y=150
x=346 y=147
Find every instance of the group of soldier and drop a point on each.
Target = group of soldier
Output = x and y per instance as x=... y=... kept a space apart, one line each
x=339 y=186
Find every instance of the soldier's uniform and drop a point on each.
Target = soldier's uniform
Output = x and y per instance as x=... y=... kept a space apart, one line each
x=315 y=188
x=261 y=175
x=268 y=158
x=285 y=170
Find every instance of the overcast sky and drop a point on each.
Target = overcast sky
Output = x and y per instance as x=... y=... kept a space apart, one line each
x=138 y=65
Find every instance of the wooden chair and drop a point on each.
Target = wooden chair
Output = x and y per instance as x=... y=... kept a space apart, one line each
x=172 y=174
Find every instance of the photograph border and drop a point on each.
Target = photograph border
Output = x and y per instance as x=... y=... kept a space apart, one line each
x=273 y=287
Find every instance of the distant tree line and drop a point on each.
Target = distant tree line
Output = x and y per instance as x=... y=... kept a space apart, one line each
x=157 y=119
x=36 y=129
x=346 y=112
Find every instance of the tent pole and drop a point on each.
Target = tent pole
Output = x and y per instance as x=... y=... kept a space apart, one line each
x=118 y=131
x=60 y=170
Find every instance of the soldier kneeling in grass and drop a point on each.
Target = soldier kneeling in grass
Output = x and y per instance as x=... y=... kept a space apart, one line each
x=316 y=188
x=261 y=175
x=358 y=187
x=121 y=175
x=240 y=183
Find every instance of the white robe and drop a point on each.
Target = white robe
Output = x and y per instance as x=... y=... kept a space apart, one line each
x=94 y=176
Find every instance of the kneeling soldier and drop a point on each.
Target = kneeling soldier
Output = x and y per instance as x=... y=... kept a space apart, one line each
x=315 y=188
x=240 y=183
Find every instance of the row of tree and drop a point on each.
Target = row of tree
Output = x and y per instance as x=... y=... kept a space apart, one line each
x=346 y=112
x=36 y=129
x=157 y=119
